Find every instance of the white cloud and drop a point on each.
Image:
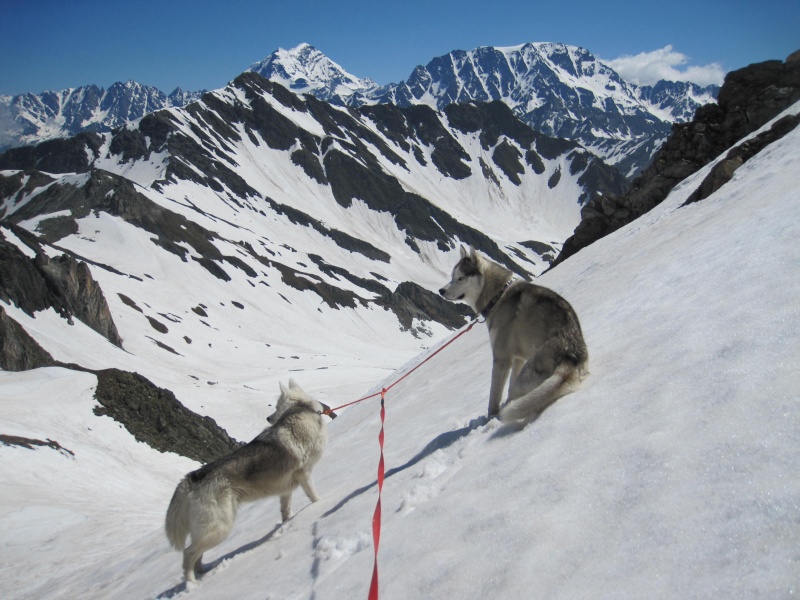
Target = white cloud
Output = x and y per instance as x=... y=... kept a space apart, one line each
x=647 y=68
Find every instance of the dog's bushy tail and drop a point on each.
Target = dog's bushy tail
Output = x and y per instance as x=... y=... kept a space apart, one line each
x=565 y=379
x=176 y=524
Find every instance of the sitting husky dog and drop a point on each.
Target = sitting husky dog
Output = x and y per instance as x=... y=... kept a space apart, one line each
x=534 y=332
x=278 y=460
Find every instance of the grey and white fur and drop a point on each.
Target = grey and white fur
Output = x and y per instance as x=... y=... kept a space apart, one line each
x=279 y=459
x=535 y=336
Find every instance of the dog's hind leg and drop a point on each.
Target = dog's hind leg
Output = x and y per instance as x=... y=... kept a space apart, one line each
x=500 y=370
x=531 y=375
x=546 y=377
x=193 y=555
x=304 y=479
x=516 y=366
x=563 y=381
x=211 y=522
x=286 y=506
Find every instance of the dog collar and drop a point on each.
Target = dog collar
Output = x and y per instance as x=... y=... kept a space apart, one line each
x=488 y=308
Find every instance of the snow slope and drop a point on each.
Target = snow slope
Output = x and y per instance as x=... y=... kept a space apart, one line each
x=671 y=474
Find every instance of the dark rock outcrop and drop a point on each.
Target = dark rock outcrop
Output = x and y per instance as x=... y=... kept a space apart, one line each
x=154 y=416
x=723 y=171
x=72 y=155
x=411 y=301
x=62 y=283
x=18 y=350
x=748 y=99
x=81 y=294
x=32 y=444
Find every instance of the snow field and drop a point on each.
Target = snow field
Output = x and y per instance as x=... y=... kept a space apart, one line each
x=670 y=474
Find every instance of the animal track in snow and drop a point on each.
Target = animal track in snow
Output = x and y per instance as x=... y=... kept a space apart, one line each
x=440 y=461
x=335 y=549
x=330 y=552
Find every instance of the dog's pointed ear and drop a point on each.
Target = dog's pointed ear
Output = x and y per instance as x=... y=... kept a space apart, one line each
x=293 y=384
x=284 y=389
x=477 y=259
x=463 y=252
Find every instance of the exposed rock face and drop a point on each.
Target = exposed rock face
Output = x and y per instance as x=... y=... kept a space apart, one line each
x=81 y=294
x=18 y=350
x=724 y=170
x=154 y=416
x=62 y=283
x=56 y=156
x=32 y=444
x=748 y=99
x=21 y=281
x=411 y=301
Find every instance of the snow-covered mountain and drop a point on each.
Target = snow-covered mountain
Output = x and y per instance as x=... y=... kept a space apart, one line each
x=676 y=101
x=671 y=474
x=306 y=70
x=32 y=118
x=282 y=210
x=560 y=90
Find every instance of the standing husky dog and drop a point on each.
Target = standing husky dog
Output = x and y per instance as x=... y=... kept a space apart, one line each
x=534 y=332
x=278 y=460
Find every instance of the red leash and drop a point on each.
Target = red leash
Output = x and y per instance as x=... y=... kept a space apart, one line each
x=376 y=517
x=329 y=411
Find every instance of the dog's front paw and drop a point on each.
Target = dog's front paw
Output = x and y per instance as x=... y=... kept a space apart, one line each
x=478 y=422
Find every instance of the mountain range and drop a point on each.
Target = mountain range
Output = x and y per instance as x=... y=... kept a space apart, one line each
x=268 y=198
x=560 y=90
x=366 y=195
x=30 y=118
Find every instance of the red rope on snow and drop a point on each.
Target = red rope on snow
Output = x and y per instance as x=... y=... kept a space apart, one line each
x=376 y=517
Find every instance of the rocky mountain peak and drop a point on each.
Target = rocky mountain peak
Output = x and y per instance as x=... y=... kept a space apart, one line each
x=305 y=70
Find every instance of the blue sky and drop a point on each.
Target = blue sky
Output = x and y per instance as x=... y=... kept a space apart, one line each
x=202 y=44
